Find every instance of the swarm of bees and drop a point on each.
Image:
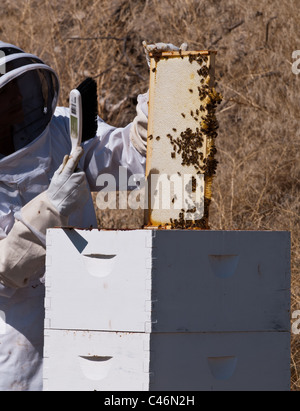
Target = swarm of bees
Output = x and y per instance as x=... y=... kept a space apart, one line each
x=189 y=144
x=182 y=223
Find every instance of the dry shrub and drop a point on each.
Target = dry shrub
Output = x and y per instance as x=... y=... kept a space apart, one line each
x=257 y=184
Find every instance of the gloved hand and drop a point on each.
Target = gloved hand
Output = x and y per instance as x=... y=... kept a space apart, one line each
x=148 y=48
x=138 y=131
x=68 y=190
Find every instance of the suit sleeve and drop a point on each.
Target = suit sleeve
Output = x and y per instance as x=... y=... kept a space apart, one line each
x=113 y=148
x=23 y=251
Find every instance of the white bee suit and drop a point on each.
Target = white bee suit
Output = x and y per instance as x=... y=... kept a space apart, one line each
x=25 y=214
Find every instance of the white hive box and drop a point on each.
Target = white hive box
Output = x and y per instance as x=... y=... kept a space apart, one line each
x=167 y=310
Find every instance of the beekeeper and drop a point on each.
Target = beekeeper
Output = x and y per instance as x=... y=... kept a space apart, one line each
x=36 y=194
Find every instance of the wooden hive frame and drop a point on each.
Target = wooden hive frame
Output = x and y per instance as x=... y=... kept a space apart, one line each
x=182 y=129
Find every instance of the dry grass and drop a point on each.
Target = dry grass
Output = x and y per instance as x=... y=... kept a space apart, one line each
x=257 y=186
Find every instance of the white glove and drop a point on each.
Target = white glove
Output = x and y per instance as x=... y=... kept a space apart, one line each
x=68 y=190
x=148 y=48
x=138 y=131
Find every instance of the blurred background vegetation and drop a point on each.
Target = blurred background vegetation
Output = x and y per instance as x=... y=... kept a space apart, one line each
x=258 y=178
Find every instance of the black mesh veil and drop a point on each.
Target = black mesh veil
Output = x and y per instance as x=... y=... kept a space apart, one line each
x=28 y=96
